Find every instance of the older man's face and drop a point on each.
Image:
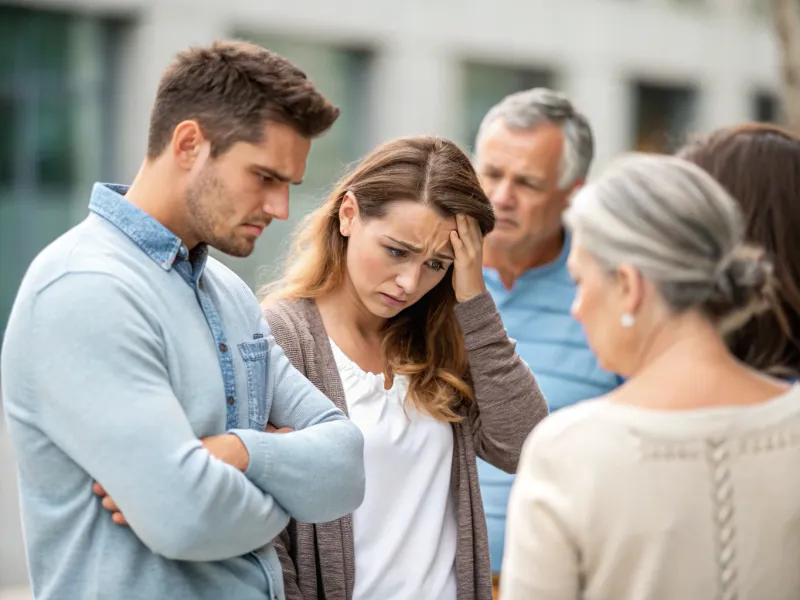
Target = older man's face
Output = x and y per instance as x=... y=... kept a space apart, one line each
x=519 y=172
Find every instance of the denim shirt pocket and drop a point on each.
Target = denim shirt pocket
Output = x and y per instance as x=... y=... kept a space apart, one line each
x=254 y=355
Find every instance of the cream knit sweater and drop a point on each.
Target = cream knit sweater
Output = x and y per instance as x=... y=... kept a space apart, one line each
x=613 y=502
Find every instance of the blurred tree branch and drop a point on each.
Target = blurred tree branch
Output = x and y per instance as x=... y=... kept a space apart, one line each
x=786 y=20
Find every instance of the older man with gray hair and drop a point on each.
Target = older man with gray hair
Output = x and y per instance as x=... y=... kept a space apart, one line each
x=533 y=150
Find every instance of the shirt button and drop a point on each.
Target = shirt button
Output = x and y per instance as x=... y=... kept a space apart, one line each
x=223 y=347
x=230 y=400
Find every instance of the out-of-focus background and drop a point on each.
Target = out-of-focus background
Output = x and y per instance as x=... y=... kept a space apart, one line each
x=77 y=78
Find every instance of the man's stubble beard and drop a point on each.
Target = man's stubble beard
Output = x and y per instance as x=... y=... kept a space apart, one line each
x=209 y=209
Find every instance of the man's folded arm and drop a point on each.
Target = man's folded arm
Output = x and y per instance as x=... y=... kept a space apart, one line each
x=317 y=471
x=103 y=395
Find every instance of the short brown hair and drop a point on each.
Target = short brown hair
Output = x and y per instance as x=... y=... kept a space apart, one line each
x=424 y=341
x=759 y=165
x=232 y=88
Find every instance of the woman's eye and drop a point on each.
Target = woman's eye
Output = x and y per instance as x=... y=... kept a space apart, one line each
x=436 y=265
x=265 y=179
x=395 y=252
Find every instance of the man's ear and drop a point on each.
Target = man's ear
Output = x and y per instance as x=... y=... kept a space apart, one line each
x=189 y=144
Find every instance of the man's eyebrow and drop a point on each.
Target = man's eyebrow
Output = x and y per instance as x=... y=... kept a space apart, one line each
x=525 y=178
x=533 y=180
x=417 y=249
x=277 y=175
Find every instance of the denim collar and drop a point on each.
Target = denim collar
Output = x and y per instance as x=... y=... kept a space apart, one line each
x=159 y=243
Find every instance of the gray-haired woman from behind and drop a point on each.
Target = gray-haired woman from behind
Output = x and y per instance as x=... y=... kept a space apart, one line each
x=683 y=482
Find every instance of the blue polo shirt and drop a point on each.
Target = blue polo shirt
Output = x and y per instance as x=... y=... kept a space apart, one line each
x=536 y=313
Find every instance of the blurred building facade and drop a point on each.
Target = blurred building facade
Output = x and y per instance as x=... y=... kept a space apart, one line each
x=77 y=78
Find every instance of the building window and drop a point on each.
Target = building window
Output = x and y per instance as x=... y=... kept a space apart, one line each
x=766 y=107
x=486 y=84
x=55 y=101
x=343 y=75
x=663 y=116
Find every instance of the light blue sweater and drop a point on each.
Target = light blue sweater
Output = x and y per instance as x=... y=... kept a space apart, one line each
x=122 y=350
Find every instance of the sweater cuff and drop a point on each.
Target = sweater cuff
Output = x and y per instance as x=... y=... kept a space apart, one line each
x=257 y=445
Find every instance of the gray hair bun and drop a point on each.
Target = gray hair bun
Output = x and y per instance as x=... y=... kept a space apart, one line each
x=743 y=286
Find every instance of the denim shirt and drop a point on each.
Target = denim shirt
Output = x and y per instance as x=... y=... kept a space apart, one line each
x=122 y=350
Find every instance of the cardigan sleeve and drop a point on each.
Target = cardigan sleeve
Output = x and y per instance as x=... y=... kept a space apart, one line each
x=285 y=334
x=507 y=400
x=283 y=544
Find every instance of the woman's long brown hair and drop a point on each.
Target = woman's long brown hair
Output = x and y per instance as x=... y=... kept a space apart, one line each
x=759 y=165
x=423 y=342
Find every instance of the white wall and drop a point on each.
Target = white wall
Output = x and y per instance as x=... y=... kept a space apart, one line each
x=596 y=46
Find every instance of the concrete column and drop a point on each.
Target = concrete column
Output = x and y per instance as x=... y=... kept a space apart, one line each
x=416 y=90
x=725 y=99
x=602 y=93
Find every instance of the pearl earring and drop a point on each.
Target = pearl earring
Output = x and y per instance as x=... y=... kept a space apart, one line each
x=627 y=320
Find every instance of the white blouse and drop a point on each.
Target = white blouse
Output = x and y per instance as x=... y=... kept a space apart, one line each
x=405 y=530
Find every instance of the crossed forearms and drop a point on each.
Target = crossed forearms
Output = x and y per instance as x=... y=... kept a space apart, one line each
x=227 y=447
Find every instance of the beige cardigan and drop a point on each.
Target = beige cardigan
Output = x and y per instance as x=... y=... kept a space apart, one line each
x=318 y=560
